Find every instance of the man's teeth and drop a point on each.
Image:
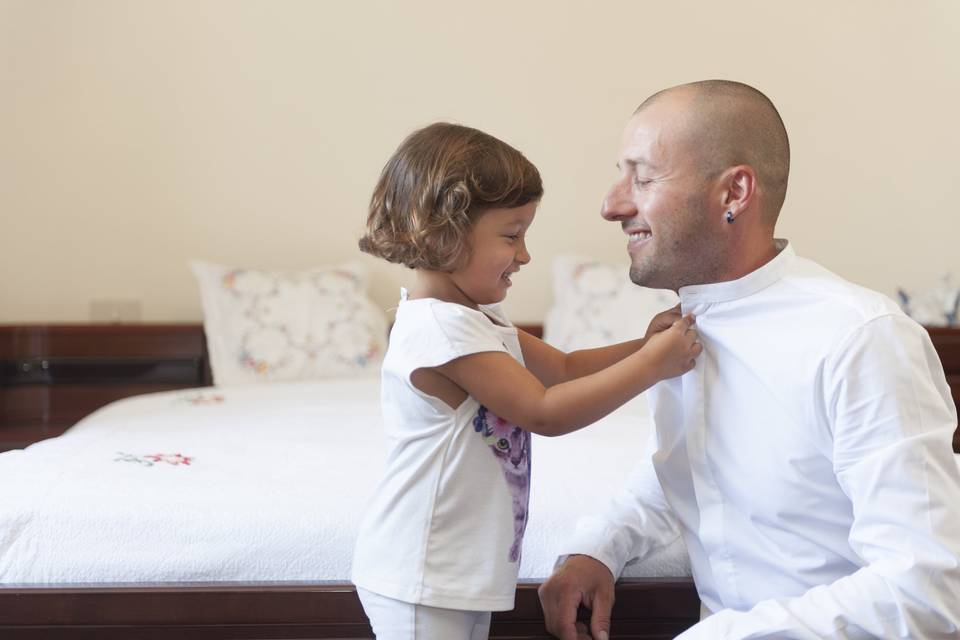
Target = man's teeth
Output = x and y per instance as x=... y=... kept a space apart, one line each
x=640 y=235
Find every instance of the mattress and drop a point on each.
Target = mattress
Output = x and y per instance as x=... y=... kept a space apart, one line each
x=259 y=483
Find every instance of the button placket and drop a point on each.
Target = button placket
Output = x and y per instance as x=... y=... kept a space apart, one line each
x=709 y=499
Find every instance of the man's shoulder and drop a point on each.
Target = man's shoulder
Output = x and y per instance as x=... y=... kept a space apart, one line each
x=846 y=302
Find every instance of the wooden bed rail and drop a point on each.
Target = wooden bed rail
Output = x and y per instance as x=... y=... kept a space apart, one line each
x=648 y=609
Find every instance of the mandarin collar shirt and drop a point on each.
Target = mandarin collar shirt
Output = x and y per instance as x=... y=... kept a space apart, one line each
x=806 y=461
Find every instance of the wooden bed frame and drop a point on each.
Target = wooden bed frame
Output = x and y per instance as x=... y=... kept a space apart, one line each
x=648 y=609
x=52 y=375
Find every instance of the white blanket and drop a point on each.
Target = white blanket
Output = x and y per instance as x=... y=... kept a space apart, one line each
x=257 y=484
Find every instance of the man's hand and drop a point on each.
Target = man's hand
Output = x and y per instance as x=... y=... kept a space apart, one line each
x=579 y=580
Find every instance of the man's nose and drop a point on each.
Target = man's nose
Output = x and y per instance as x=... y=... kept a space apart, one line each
x=618 y=203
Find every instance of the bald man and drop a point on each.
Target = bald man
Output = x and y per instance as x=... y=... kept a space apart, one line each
x=806 y=460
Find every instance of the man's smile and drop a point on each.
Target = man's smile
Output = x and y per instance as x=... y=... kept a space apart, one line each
x=637 y=237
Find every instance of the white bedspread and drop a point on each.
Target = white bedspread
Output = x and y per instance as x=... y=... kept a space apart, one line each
x=257 y=484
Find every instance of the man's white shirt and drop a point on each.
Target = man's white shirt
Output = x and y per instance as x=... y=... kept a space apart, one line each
x=806 y=460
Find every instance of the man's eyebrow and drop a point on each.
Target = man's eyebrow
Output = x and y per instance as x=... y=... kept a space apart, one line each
x=636 y=162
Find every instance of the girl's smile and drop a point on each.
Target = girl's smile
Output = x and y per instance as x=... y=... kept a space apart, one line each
x=497 y=251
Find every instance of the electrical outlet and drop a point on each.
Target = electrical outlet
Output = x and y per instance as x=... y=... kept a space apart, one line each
x=115 y=311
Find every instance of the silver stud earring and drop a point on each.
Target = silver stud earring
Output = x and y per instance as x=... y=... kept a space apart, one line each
x=730 y=217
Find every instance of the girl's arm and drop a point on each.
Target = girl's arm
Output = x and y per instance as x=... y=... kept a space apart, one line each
x=515 y=394
x=552 y=366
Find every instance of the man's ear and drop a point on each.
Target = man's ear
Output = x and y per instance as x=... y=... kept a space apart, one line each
x=739 y=187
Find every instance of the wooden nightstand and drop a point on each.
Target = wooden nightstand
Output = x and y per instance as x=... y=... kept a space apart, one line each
x=947 y=343
x=53 y=375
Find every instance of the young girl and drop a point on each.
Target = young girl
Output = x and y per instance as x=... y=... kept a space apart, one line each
x=463 y=389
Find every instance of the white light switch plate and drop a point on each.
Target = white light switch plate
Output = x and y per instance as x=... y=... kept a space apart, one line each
x=115 y=311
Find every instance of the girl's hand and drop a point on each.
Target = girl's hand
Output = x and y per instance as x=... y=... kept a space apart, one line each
x=663 y=321
x=674 y=351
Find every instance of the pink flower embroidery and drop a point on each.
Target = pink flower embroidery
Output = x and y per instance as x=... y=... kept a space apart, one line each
x=200 y=399
x=173 y=459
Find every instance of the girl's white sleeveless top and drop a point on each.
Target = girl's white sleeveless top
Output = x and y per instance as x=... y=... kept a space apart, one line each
x=445 y=526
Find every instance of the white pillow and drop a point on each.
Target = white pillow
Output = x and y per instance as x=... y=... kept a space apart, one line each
x=935 y=307
x=269 y=326
x=596 y=304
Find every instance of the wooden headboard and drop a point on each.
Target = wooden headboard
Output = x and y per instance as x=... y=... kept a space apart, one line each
x=53 y=375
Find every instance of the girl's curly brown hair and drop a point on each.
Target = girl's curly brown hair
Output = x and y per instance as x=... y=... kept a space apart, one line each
x=433 y=187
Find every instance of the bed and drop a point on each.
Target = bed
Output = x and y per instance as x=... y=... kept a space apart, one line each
x=231 y=513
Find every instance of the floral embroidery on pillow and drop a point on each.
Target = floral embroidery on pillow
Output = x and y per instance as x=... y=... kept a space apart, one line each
x=595 y=304
x=289 y=325
x=271 y=344
x=594 y=285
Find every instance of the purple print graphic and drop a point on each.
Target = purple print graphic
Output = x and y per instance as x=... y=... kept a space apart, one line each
x=511 y=445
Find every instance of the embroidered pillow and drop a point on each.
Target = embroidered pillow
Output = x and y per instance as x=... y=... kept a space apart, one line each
x=596 y=304
x=935 y=307
x=270 y=326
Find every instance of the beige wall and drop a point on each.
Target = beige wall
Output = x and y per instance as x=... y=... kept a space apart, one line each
x=137 y=135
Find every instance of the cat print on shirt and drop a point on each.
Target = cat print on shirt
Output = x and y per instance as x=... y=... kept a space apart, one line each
x=511 y=445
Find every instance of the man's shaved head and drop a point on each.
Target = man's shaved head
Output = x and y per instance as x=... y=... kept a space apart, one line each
x=727 y=123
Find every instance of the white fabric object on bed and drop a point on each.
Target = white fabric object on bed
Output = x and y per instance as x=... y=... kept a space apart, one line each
x=258 y=483
x=596 y=304
x=271 y=326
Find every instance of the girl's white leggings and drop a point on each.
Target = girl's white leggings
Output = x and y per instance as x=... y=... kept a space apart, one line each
x=395 y=620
